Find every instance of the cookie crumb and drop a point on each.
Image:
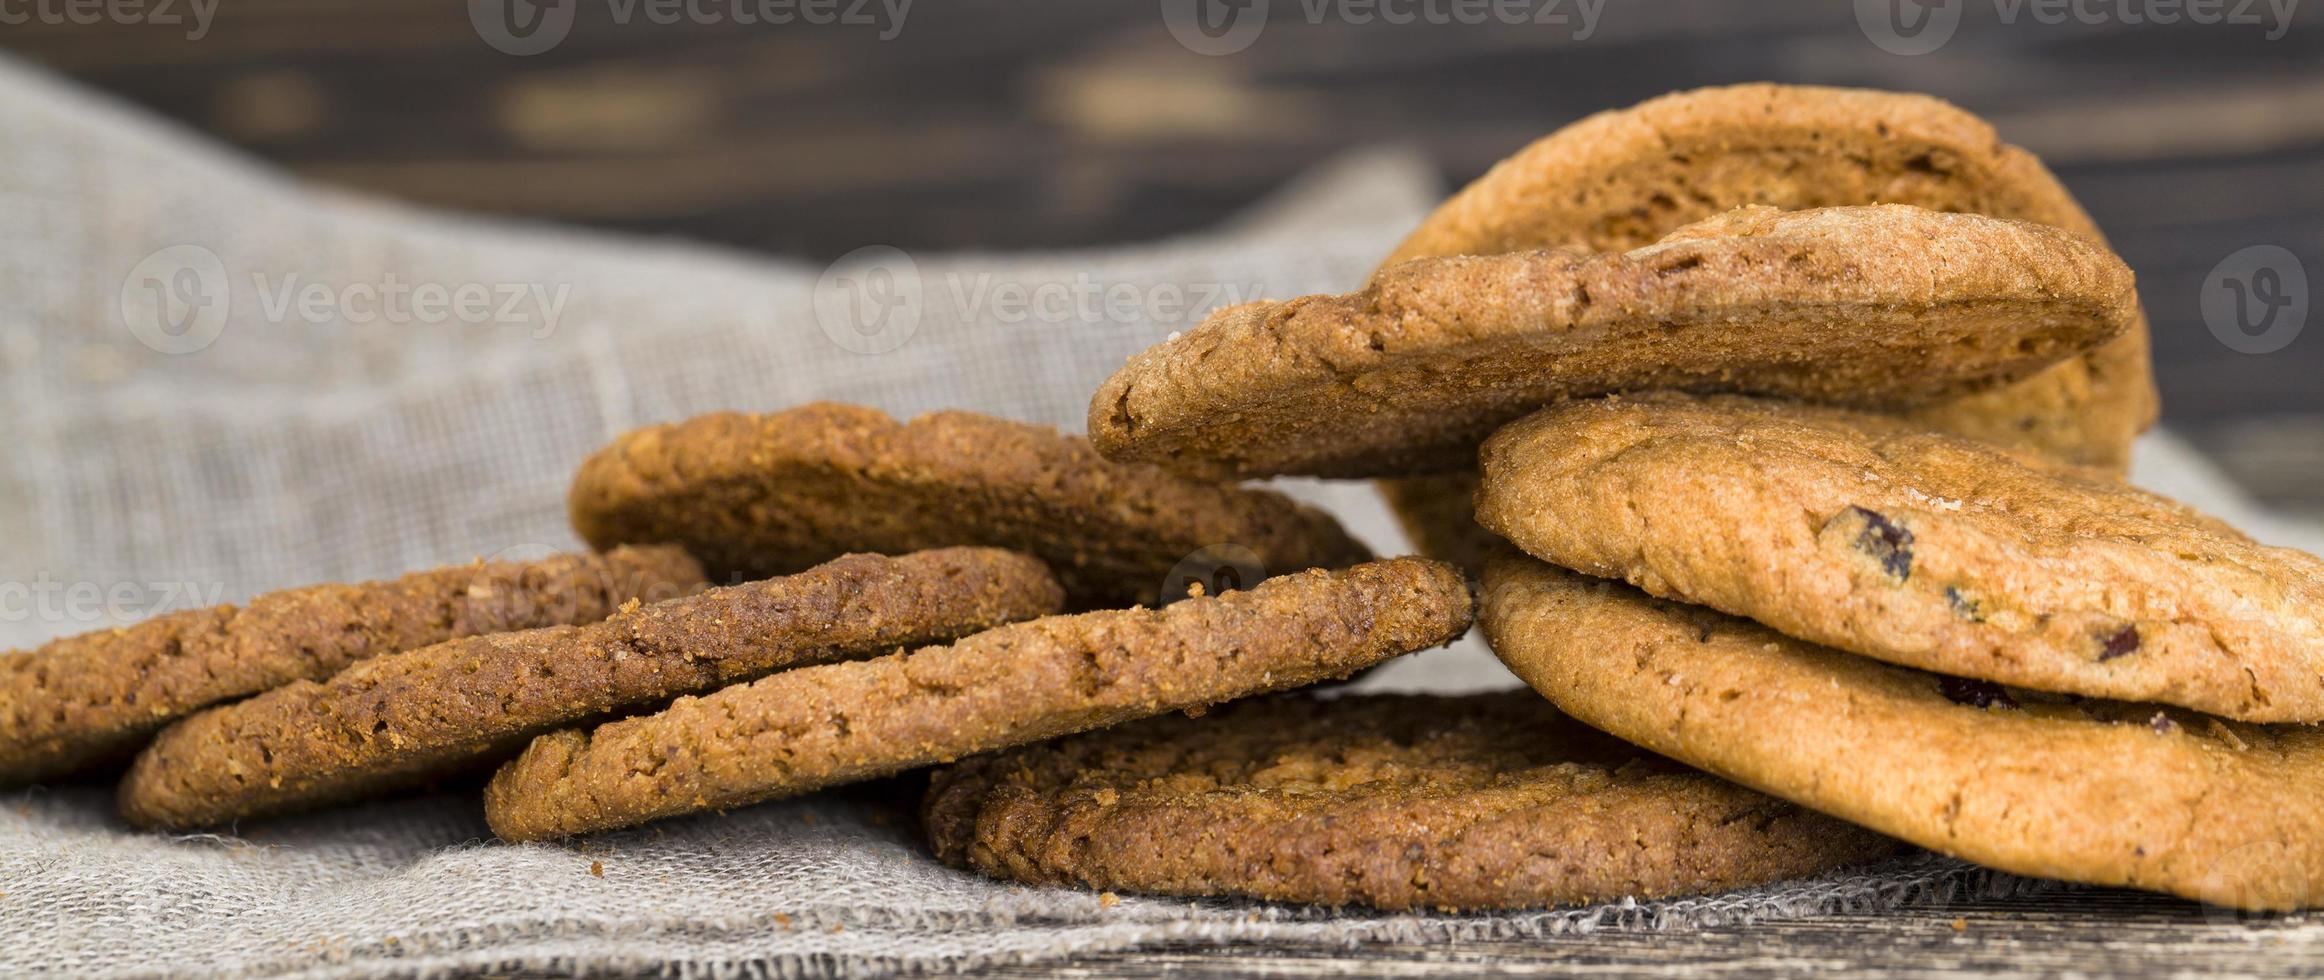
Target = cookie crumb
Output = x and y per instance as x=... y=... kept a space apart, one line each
x=1960 y=925
x=597 y=868
x=2227 y=734
x=783 y=921
x=1108 y=900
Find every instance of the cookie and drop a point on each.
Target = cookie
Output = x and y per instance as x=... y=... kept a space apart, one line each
x=1392 y=801
x=805 y=729
x=2104 y=792
x=398 y=720
x=1622 y=179
x=1885 y=307
x=1874 y=535
x=87 y=700
x=759 y=495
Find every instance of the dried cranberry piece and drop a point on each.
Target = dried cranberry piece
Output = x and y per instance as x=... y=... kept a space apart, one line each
x=1974 y=693
x=1884 y=541
x=2121 y=643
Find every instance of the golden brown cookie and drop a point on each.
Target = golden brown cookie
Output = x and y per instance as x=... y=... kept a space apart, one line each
x=396 y=720
x=2096 y=791
x=1882 y=307
x=1618 y=180
x=85 y=700
x=758 y=495
x=819 y=726
x=1621 y=179
x=1872 y=534
x=1392 y=801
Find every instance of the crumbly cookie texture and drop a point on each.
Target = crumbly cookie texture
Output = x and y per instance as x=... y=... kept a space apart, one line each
x=88 y=700
x=400 y=719
x=1618 y=180
x=1885 y=306
x=2104 y=792
x=1392 y=801
x=759 y=495
x=805 y=729
x=1621 y=179
x=1873 y=535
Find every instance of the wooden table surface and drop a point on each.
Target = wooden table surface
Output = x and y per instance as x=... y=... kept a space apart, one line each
x=1016 y=123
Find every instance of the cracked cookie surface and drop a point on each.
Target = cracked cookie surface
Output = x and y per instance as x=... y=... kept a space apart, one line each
x=401 y=719
x=760 y=495
x=81 y=701
x=1886 y=307
x=1621 y=179
x=2104 y=792
x=819 y=726
x=1393 y=801
x=1874 y=535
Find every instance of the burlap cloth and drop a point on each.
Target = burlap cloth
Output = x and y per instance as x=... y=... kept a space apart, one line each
x=340 y=437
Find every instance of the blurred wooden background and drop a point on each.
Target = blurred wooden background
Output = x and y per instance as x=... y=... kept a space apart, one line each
x=1013 y=123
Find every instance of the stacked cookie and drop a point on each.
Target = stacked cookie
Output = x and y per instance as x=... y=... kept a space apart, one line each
x=905 y=594
x=1785 y=426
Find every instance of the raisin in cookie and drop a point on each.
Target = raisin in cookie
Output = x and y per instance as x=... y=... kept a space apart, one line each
x=1884 y=307
x=1874 y=535
x=1393 y=801
x=2104 y=792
